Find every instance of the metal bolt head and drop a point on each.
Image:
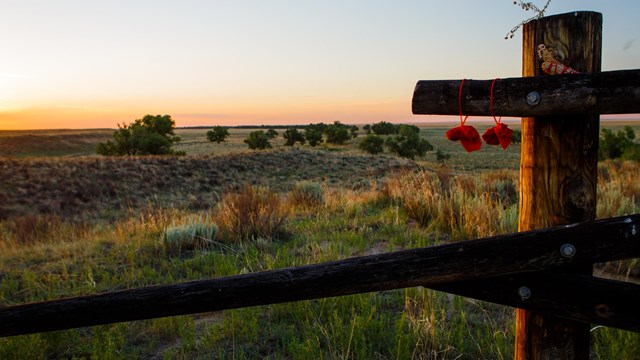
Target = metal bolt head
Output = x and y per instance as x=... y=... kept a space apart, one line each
x=524 y=292
x=567 y=250
x=533 y=98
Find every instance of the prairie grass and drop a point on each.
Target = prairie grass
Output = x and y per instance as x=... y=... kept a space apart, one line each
x=462 y=206
x=252 y=213
x=193 y=233
x=95 y=189
x=618 y=188
x=369 y=205
x=307 y=194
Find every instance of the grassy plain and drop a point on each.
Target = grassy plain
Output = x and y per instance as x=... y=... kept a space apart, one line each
x=72 y=223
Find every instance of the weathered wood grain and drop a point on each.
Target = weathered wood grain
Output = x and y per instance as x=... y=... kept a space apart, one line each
x=612 y=92
x=558 y=171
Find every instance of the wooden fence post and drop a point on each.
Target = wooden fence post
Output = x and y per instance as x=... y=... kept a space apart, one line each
x=558 y=171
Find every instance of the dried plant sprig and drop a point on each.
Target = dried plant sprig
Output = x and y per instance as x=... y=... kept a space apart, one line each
x=527 y=6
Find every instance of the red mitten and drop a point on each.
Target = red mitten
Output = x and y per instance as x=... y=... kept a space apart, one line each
x=490 y=136
x=468 y=136
x=498 y=135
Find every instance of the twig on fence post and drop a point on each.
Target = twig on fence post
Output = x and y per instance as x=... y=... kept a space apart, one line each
x=558 y=170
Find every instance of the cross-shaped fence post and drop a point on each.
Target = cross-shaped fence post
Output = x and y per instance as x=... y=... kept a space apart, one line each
x=558 y=171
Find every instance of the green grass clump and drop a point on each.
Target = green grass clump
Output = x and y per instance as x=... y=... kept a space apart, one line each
x=191 y=235
x=307 y=194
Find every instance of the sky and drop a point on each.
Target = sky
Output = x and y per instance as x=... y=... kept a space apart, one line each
x=95 y=64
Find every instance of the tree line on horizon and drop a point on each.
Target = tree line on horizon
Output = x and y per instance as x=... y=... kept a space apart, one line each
x=155 y=135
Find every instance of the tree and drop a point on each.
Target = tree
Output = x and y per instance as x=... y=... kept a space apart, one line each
x=516 y=136
x=313 y=135
x=372 y=144
x=408 y=142
x=354 y=131
x=292 y=135
x=151 y=135
x=337 y=133
x=258 y=140
x=614 y=145
x=272 y=134
x=367 y=129
x=218 y=134
x=384 y=128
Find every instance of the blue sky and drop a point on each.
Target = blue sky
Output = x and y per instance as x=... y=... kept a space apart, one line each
x=85 y=64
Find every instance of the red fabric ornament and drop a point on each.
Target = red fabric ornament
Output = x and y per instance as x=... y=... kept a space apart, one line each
x=498 y=135
x=467 y=135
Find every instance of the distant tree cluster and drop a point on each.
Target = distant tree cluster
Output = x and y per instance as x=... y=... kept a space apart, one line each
x=151 y=135
x=293 y=136
x=621 y=144
x=406 y=141
x=385 y=128
x=403 y=140
x=314 y=135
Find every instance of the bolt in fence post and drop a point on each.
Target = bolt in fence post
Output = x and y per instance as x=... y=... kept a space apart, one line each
x=558 y=169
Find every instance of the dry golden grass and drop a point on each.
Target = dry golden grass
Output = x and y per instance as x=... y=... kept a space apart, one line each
x=618 y=188
x=252 y=213
x=90 y=188
x=462 y=205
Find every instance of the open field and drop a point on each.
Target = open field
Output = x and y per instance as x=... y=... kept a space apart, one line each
x=73 y=223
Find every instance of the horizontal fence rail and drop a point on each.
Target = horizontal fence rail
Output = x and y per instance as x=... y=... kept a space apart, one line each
x=611 y=92
x=537 y=250
x=566 y=295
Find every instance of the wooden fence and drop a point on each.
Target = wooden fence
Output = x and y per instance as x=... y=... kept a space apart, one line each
x=544 y=270
x=503 y=269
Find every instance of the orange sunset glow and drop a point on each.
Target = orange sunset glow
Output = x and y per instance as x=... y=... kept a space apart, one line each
x=81 y=65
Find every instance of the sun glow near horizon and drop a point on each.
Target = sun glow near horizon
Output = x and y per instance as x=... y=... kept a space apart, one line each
x=96 y=65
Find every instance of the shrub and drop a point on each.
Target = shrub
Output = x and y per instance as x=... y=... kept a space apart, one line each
x=252 y=213
x=151 y=135
x=292 y=135
x=337 y=133
x=614 y=145
x=373 y=144
x=516 y=136
x=354 y=131
x=408 y=143
x=218 y=134
x=258 y=140
x=272 y=134
x=441 y=156
x=194 y=234
x=384 y=128
x=313 y=136
x=307 y=194
x=632 y=153
x=462 y=209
